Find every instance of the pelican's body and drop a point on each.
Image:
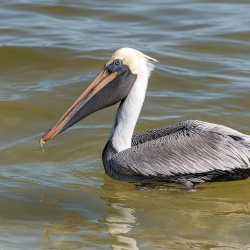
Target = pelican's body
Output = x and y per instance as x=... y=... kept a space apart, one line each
x=187 y=153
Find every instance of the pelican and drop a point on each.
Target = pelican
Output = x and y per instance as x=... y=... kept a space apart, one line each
x=187 y=153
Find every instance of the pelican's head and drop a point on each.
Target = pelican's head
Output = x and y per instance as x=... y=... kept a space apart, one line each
x=110 y=86
x=136 y=61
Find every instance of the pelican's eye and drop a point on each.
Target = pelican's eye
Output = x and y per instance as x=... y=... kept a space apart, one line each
x=117 y=62
x=116 y=66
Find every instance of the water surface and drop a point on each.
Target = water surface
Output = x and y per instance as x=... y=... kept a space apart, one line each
x=61 y=198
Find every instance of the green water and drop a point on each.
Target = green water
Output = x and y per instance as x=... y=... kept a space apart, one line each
x=61 y=198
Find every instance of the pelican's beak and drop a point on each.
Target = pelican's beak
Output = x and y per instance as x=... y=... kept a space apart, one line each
x=106 y=89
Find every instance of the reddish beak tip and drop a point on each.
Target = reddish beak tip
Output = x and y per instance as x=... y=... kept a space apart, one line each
x=42 y=142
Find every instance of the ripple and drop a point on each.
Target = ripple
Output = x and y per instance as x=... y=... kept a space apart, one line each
x=61 y=198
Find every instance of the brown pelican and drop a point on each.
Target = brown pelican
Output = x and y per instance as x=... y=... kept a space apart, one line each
x=188 y=153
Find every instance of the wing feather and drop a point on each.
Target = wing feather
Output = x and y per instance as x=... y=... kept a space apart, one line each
x=188 y=148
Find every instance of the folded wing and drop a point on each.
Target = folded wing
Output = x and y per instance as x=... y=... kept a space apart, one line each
x=185 y=150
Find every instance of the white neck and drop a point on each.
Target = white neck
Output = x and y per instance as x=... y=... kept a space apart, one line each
x=128 y=113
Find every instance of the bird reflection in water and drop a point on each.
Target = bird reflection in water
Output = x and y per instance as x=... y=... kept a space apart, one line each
x=85 y=226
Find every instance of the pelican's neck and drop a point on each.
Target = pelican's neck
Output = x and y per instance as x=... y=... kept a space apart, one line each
x=127 y=115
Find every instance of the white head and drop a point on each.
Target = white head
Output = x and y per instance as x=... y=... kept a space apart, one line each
x=134 y=59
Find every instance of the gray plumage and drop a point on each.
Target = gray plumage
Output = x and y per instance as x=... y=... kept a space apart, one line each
x=187 y=153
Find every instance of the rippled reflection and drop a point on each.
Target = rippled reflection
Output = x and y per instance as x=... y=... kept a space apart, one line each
x=119 y=222
x=77 y=229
